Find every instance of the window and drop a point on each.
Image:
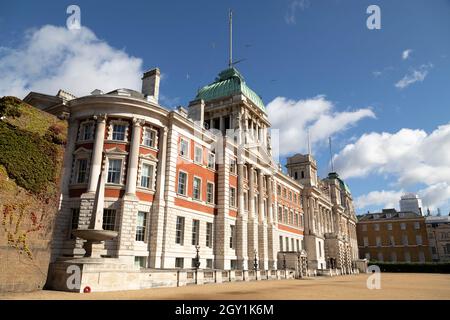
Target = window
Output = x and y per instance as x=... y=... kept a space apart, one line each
x=405 y=240
x=149 y=137
x=280 y=214
x=298 y=245
x=278 y=190
x=376 y=227
x=364 y=227
x=407 y=257
x=389 y=226
x=419 y=240
x=378 y=241
x=233 y=264
x=114 y=170
x=198 y=154
x=197 y=188
x=210 y=192
x=296 y=219
x=403 y=226
x=291 y=217
x=320 y=249
x=391 y=241
x=109 y=219
x=290 y=196
x=140 y=262
x=209 y=263
x=233 y=166
x=232 y=231
x=184 y=148
x=146 y=176
x=179 y=263
x=286 y=218
x=232 y=197
x=281 y=243
x=295 y=198
x=140 y=225
x=87 y=131
x=179 y=231
x=366 y=241
x=81 y=171
x=295 y=175
x=195 y=232
x=211 y=160
x=393 y=257
x=209 y=234
x=416 y=225
x=74 y=221
x=421 y=256
x=284 y=193
x=380 y=256
x=118 y=133
x=182 y=179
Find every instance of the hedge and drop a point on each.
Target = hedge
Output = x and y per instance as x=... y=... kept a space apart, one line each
x=28 y=158
x=415 y=267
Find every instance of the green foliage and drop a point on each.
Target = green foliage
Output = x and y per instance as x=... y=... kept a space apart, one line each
x=56 y=134
x=415 y=267
x=29 y=159
x=10 y=107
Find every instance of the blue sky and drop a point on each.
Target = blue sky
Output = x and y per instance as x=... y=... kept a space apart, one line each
x=298 y=50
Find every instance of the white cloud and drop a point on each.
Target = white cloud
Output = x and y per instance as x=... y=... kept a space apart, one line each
x=52 y=58
x=293 y=118
x=414 y=76
x=412 y=157
x=290 y=16
x=406 y=53
x=382 y=199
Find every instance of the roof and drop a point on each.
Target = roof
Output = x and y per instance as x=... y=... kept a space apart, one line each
x=388 y=214
x=229 y=82
x=344 y=186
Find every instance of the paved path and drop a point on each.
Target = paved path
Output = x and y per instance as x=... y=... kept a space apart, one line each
x=393 y=286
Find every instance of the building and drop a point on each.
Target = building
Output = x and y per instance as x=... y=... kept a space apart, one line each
x=393 y=236
x=177 y=189
x=438 y=229
x=411 y=202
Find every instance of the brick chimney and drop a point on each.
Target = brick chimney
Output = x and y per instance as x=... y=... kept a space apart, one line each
x=150 y=83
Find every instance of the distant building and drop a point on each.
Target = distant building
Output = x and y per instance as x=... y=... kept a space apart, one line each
x=411 y=202
x=393 y=236
x=438 y=229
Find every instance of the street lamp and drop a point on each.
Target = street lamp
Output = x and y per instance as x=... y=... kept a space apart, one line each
x=197 y=262
x=255 y=265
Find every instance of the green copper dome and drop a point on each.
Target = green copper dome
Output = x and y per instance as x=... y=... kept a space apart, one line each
x=344 y=186
x=228 y=83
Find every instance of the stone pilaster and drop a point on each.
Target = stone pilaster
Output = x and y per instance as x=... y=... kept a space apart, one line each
x=133 y=158
x=252 y=219
x=272 y=233
x=241 y=224
x=262 y=226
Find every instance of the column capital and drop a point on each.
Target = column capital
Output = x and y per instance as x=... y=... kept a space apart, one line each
x=138 y=122
x=100 y=117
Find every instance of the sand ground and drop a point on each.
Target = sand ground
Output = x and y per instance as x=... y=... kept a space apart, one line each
x=393 y=286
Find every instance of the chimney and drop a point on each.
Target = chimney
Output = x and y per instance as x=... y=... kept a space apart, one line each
x=150 y=84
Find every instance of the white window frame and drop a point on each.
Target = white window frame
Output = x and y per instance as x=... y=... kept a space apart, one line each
x=403 y=226
x=211 y=164
x=180 y=151
x=233 y=166
x=182 y=231
x=155 y=137
x=77 y=171
x=121 y=173
x=185 y=184
x=151 y=185
x=232 y=201
x=81 y=153
x=196 y=148
x=213 y=192
x=199 y=191
x=120 y=123
x=144 y=226
x=82 y=130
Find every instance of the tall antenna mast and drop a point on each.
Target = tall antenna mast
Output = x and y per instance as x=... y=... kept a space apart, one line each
x=331 y=156
x=230 y=63
x=309 y=143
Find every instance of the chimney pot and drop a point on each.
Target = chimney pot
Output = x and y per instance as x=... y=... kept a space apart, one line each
x=150 y=83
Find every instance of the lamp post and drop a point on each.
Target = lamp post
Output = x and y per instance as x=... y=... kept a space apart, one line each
x=284 y=265
x=255 y=265
x=197 y=262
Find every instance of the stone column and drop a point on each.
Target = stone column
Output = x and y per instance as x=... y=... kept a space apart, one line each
x=96 y=161
x=252 y=219
x=133 y=157
x=273 y=245
x=156 y=240
x=241 y=223
x=262 y=226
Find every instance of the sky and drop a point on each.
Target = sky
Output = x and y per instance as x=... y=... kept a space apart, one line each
x=382 y=95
